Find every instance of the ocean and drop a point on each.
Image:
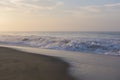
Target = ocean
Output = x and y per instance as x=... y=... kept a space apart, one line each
x=107 y=43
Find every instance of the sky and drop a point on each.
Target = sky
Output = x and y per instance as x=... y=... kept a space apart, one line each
x=59 y=15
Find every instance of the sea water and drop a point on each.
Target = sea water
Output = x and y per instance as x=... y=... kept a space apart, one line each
x=87 y=42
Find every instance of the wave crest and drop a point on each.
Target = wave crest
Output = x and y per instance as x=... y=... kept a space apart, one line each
x=99 y=46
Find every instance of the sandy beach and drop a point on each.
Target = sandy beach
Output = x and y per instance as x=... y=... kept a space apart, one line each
x=83 y=66
x=18 y=65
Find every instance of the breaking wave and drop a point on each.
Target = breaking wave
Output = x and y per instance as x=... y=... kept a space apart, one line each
x=88 y=45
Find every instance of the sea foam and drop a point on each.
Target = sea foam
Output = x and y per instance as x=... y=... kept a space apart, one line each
x=87 y=45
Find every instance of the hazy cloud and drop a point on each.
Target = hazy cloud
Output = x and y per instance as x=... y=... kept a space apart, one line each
x=113 y=5
x=100 y=8
x=91 y=8
x=79 y=14
x=30 y=4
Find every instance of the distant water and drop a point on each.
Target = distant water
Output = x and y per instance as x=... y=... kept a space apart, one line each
x=89 y=42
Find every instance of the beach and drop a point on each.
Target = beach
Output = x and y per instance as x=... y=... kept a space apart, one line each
x=83 y=66
x=18 y=65
x=59 y=39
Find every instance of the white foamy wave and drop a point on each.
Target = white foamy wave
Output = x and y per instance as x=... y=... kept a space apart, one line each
x=99 y=46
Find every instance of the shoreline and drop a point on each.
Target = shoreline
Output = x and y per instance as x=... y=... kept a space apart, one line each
x=82 y=66
x=19 y=65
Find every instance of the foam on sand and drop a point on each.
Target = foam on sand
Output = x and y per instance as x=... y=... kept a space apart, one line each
x=85 y=66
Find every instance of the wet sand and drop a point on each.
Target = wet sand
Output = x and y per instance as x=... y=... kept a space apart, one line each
x=18 y=65
x=84 y=66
